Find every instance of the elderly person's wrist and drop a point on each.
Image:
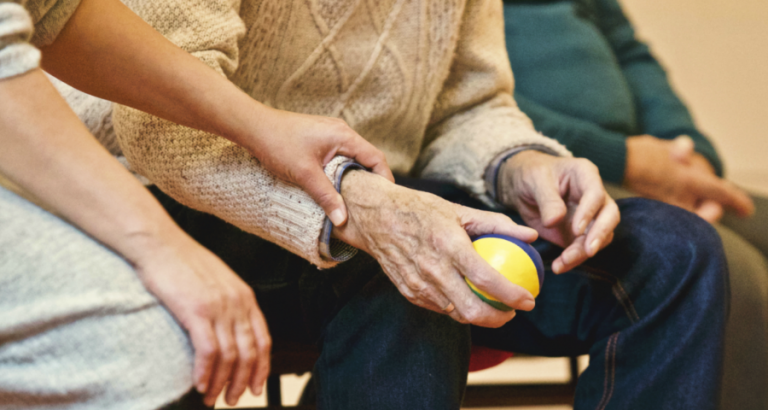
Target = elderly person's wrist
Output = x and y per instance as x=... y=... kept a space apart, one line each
x=358 y=188
x=493 y=182
x=509 y=170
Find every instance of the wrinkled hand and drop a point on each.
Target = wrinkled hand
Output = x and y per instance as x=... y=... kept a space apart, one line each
x=423 y=244
x=564 y=200
x=296 y=148
x=218 y=310
x=672 y=172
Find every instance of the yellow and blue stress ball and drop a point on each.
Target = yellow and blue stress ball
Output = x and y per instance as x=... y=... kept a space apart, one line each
x=516 y=260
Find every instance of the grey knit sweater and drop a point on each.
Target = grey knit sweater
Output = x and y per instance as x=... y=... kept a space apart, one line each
x=78 y=330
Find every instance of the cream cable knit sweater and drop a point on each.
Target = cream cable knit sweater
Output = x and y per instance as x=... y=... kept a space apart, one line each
x=426 y=81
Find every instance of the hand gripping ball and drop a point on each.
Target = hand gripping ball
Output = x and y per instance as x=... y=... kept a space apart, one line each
x=516 y=260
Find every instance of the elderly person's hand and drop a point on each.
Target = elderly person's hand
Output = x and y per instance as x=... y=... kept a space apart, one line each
x=672 y=172
x=564 y=200
x=423 y=244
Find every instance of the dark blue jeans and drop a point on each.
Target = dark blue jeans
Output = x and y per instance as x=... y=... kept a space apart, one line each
x=650 y=311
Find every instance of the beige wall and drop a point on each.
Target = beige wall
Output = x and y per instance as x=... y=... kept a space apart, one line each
x=717 y=56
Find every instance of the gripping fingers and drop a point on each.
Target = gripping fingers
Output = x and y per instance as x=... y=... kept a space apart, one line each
x=315 y=183
x=477 y=222
x=367 y=155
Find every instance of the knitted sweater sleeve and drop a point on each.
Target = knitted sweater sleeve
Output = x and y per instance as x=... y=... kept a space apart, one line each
x=660 y=111
x=475 y=118
x=17 y=55
x=202 y=170
x=21 y=29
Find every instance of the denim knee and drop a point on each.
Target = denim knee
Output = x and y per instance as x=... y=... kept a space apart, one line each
x=679 y=249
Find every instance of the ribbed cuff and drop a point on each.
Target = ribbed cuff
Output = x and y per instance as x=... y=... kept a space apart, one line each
x=17 y=55
x=492 y=172
x=705 y=148
x=333 y=249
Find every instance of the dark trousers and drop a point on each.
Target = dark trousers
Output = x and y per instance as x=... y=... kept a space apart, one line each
x=650 y=311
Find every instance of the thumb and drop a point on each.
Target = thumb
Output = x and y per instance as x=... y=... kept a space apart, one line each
x=681 y=149
x=709 y=210
x=552 y=208
x=319 y=187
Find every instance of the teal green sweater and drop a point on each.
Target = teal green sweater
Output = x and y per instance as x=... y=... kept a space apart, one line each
x=585 y=80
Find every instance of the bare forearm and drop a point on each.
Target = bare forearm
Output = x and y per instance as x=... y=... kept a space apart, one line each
x=108 y=51
x=55 y=158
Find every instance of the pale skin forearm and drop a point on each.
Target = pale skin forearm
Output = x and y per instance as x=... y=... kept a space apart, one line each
x=48 y=151
x=107 y=51
x=53 y=157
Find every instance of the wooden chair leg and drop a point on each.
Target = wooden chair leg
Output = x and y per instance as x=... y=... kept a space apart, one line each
x=274 y=393
x=573 y=361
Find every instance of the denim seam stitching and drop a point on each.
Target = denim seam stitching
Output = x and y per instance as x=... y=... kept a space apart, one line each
x=610 y=359
x=618 y=292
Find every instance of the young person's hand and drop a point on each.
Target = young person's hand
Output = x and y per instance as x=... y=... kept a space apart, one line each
x=219 y=311
x=296 y=147
x=108 y=51
x=564 y=200
x=672 y=172
x=47 y=151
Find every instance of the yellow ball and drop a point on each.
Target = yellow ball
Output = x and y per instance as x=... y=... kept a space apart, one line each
x=514 y=259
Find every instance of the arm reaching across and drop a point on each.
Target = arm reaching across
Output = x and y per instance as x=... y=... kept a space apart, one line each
x=147 y=72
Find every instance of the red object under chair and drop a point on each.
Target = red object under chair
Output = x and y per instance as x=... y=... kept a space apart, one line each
x=484 y=358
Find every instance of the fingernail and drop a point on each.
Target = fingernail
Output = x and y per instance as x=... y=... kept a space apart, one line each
x=569 y=256
x=557 y=266
x=595 y=246
x=201 y=388
x=337 y=217
x=527 y=304
x=582 y=227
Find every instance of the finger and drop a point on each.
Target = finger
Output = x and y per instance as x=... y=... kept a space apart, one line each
x=606 y=221
x=263 y=351
x=224 y=364
x=710 y=211
x=246 y=358
x=477 y=222
x=421 y=282
x=682 y=148
x=591 y=202
x=726 y=194
x=490 y=281
x=448 y=279
x=551 y=206
x=367 y=155
x=315 y=183
x=572 y=256
x=206 y=347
